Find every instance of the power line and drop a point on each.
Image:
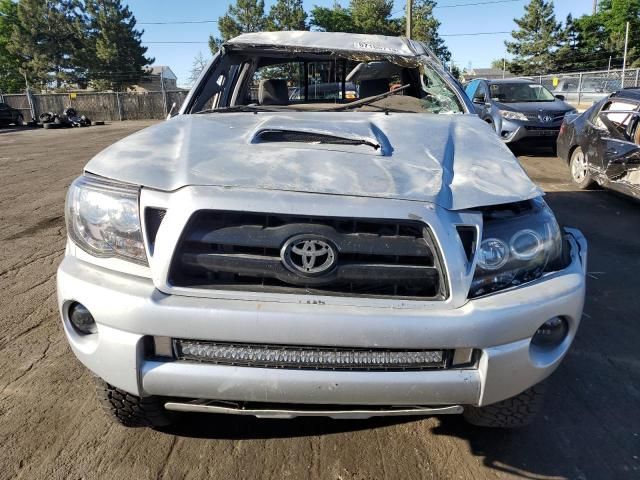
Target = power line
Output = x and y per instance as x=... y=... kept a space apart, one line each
x=470 y=34
x=476 y=4
x=191 y=22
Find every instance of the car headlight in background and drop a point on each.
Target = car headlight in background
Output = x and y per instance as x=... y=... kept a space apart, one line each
x=103 y=219
x=520 y=242
x=509 y=115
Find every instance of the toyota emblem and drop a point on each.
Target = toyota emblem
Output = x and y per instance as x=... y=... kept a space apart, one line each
x=546 y=118
x=309 y=255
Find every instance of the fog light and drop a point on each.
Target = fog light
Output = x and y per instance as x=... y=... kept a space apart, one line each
x=551 y=333
x=81 y=319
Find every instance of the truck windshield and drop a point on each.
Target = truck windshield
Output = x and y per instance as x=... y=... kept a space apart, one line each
x=321 y=84
x=520 y=92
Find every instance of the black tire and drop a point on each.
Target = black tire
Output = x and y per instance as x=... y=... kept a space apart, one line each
x=580 y=175
x=20 y=121
x=129 y=410
x=51 y=126
x=97 y=122
x=514 y=412
x=46 y=117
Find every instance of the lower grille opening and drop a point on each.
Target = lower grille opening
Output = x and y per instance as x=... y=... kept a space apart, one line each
x=310 y=358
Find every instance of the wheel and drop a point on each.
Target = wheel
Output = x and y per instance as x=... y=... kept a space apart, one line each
x=579 y=168
x=129 y=410
x=51 y=126
x=514 y=412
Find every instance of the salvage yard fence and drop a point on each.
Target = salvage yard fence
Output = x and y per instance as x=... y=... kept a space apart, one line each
x=105 y=106
x=584 y=88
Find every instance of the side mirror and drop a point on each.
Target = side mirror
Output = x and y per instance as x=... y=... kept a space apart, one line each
x=172 y=111
x=560 y=97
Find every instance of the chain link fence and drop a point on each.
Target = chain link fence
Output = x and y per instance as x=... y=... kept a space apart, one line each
x=584 y=88
x=106 y=106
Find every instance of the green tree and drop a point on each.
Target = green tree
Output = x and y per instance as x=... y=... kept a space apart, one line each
x=287 y=15
x=46 y=39
x=362 y=16
x=536 y=40
x=374 y=16
x=119 y=55
x=614 y=15
x=336 y=19
x=245 y=16
x=11 y=79
x=424 y=27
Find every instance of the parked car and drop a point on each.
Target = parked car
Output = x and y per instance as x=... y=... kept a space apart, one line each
x=519 y=109
x=9 y=115
x=349 y=259
x=602 y=145
x=592 y=89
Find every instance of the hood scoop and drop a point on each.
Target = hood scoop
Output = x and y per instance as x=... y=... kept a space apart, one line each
x=310 y=137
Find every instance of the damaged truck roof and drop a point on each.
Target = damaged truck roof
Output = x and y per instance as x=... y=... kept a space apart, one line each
x=333 y=42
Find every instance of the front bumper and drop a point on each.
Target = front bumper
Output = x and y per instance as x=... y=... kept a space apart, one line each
x=513 y=131
x=128 y=308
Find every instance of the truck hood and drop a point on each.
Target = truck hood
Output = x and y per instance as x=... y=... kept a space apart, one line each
x=454 y=161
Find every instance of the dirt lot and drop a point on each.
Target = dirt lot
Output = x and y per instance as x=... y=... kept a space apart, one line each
x=51 y=426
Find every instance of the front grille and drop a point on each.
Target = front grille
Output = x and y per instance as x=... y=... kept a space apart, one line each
x=535 y=116
x=310 y=358
x=244 y=251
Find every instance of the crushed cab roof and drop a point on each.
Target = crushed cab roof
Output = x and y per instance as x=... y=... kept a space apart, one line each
x=331 y=41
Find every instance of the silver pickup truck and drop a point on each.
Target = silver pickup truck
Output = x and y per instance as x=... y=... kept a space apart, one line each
x=348 y=258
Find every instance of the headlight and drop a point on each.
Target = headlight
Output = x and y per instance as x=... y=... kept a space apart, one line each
x=519 y=243
x=509 y=115
x=103 y=219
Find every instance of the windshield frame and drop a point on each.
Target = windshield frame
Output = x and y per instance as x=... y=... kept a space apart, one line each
x=230 y=61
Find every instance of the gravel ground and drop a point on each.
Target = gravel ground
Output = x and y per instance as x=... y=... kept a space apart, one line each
x=51 y=426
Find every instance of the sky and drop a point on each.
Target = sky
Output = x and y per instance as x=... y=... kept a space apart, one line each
x=476 y=50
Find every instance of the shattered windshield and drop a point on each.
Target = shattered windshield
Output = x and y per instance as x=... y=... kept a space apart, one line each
x=331 y=83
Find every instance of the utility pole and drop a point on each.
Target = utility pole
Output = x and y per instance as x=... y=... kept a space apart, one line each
x=504 y=66
x=595 y=6
x=409 y=17
x=609 y=67
x=624 y=59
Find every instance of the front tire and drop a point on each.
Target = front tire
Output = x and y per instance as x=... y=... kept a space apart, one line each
x=514 y=412
x=579 y=168
x=130 y=410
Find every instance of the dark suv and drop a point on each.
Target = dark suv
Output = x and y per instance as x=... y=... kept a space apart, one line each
x=519 y=109
x=9 y=115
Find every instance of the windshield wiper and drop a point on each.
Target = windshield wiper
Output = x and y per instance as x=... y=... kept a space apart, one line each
x=366 y=101
x=237 y=108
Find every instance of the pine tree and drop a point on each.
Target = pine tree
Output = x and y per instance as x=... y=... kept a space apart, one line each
x=46 y=39
x=245 y=16
x=336 y=19
x=119 y=55
x=374 y=16
x=287 y=15
x=424 y=27
x=614 y=15
x=11 y=79
x=536 y=40
x=362 y=16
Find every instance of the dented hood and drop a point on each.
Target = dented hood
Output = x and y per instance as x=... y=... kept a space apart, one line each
x=454 y=161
